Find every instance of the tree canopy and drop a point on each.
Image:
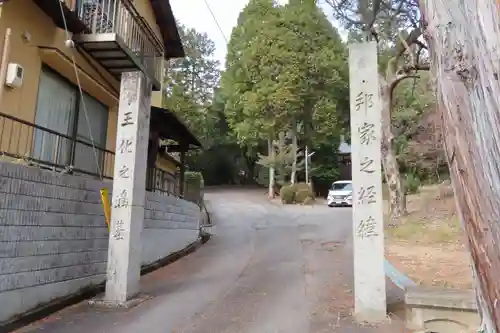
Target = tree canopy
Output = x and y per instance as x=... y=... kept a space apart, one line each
x=285 y=65
x=286 y=71
x=190 y=84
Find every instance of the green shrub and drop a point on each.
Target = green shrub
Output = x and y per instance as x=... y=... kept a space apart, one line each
x=302 y=195
x=302 y=191
x=193 y=187
x=412 y=184
x=193 y=180
x=309 y=201
x=287 y=195
x=301 y=186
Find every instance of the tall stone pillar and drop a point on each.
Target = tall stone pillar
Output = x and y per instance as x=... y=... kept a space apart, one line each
x=124 y=255
x=368 y=224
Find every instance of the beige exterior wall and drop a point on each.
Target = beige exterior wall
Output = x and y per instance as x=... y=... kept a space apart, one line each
x=25 y=18
x=144 y=8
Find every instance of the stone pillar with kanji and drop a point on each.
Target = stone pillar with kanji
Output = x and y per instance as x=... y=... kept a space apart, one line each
x=368 y=225
x=124 y=254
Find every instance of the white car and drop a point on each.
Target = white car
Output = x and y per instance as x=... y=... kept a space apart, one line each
x=340 y=194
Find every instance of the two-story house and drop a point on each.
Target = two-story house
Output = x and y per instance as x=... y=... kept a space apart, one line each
x=60 y=68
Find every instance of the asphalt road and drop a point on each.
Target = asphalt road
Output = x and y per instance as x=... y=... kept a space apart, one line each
x=269 y=269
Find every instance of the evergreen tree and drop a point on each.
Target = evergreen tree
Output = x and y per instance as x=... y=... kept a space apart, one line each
x=286 y=66
x=190 y=83
x=245 y=76
x=318 y=57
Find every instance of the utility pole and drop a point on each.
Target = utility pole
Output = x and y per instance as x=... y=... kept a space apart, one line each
x=307 y=167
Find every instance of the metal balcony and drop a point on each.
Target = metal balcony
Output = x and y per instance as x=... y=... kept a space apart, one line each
x=69 y=17
x=119 y=39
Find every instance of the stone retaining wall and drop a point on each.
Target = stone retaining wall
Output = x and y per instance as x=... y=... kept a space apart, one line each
x=54 y=238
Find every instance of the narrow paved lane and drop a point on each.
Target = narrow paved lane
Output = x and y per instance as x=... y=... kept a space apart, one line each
x=268 y=269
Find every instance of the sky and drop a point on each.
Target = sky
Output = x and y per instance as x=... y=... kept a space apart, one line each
x=195 y=14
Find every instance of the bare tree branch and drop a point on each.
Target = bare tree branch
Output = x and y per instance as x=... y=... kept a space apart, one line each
x=406 y=72
x=421 y=44
x=375 y=10
x=416 y=67
x=407 y=49
x=339 y=10
x=399 y=78
x=412 y=39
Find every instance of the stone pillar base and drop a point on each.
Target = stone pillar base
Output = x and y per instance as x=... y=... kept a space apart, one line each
x=102 y=303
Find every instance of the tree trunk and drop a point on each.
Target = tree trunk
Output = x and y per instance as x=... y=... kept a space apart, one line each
x=397 y=196
x=464 y=38
x=281 y=168
x=250 y=162
x=293 y=176
x=271 y=153
x=250 y=176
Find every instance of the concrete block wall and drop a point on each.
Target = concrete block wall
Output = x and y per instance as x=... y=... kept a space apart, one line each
x=170 y=224
x=54 y=238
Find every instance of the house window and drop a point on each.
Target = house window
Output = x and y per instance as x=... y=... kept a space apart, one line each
x=92 y=127
x=55 y=110
x=73 y=122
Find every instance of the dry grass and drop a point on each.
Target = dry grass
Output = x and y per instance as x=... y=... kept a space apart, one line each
x=422 y=232
x=447 y=267
x=428 y=244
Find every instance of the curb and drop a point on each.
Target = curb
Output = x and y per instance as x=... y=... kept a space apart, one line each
x=91 y=291
x=208 y=225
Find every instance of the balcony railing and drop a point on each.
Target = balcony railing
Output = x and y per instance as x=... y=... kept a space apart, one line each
x=25 y=142
x=31 y=144
x=119 y=38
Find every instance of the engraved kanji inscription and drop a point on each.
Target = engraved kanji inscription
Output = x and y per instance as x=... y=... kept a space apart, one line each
x=125 y=146
x=366 y=165
x=127 y=119
x=367 y=195
x=366 y=228
x=367 y=133
x=121 y=200
x=124 y=172
x=119 y=230
x=364 y=101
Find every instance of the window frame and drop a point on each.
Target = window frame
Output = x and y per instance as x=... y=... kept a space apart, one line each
x=74 y=119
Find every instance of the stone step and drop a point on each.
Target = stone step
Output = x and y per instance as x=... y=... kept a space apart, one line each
x=441 y=310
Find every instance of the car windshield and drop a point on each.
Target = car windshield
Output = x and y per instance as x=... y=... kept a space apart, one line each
x=342 y=186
